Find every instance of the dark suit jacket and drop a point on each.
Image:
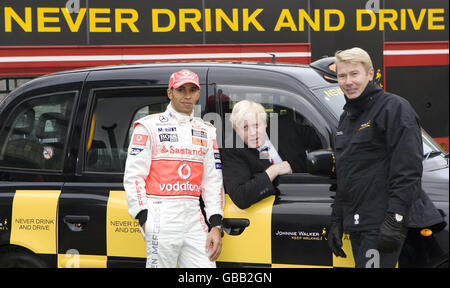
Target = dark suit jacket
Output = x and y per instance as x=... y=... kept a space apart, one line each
x=244 y=176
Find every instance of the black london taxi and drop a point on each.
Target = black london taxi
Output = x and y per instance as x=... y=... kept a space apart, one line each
x=63 y=146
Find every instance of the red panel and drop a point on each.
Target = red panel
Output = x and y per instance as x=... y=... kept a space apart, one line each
x=415 y=45
x=417 y=58
x=10 y=51
x=443 y=141
x=35 y=66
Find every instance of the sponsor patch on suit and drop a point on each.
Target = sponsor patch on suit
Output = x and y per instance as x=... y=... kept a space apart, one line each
x=140 y=139
x=167 y=129
x=199 y=133
x=199 y=141
x=165 y=137
x=135 y=151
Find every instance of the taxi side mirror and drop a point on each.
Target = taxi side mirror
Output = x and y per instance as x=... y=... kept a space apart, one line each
x=321 y=162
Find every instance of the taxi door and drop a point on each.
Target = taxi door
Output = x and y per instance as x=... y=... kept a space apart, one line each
x=33 y=148
x=95 y=229
x=289 y=229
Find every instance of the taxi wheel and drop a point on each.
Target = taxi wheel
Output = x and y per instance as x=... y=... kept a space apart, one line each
x=443 y=264
x=14 y=257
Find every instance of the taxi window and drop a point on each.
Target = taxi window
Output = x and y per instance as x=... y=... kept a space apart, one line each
x=10 y=83
x=111 y=125
x=333 y=98
x=34 y=136
x=293 y=123
x=284 y=109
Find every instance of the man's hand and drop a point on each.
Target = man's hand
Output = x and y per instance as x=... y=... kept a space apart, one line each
x=214 y=243
x=142 y=217
x=284 y=168
x=335 y=238
x=392 y=234
x=278 y=169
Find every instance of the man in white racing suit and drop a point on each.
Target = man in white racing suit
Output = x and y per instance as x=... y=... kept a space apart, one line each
x=173 y=159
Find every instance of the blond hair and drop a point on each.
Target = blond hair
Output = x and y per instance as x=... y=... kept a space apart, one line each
x=247 y=110
x=354 y=55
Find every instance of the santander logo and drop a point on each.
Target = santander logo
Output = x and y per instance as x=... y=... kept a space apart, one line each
x=183 y=151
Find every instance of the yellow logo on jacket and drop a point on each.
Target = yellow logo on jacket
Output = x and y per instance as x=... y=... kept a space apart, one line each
x=365 y=125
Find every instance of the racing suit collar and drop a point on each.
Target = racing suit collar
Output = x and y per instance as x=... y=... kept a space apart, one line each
x=181 y=118
x=354 y=107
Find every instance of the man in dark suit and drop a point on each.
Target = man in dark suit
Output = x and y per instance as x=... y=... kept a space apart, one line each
x=249 y=172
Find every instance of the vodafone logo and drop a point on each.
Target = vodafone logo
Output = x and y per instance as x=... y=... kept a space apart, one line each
x=140 y=139
x=184 y=171
x=182 y=185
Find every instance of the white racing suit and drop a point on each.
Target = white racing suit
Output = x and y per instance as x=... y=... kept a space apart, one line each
x=172 y=160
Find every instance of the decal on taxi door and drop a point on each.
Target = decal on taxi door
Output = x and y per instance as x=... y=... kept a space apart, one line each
x=254 y=244
x=34 y=220
x=123 y=236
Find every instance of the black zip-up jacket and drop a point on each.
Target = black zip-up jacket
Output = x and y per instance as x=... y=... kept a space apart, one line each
x=379 y=155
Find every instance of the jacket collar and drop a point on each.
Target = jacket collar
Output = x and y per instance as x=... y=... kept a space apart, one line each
x=179 y=117
x=354 y=107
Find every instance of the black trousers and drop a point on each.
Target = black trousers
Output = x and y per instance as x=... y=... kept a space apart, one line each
x=364 y=247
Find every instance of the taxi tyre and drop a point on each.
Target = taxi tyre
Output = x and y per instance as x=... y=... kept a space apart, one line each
x=443 y=265
x=17 y=257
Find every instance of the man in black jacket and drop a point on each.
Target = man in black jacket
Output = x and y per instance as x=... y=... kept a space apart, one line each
x=379 y=155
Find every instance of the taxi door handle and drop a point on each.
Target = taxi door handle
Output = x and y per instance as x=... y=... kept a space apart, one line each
x=76 y=223
x=235 y=226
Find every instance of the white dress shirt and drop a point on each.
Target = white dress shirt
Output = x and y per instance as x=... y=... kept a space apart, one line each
x=268 y=151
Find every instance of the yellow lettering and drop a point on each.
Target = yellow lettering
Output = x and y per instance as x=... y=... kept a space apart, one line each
x=24 y=24
x=417 y=23
x=42 y=19
x=386 y=19
x=359 y=24
x=251 y=19
x=432 y=19
x=402 y=19
x=208 y=20
x=281 y=23
x=303 y=15
x=129 y=21
x=155 y=20
x=220 y=15
x=164 y=20
x=193 y=21
x=333 y=92
x=74 y=26
x=327 y=14
x=94 y=19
